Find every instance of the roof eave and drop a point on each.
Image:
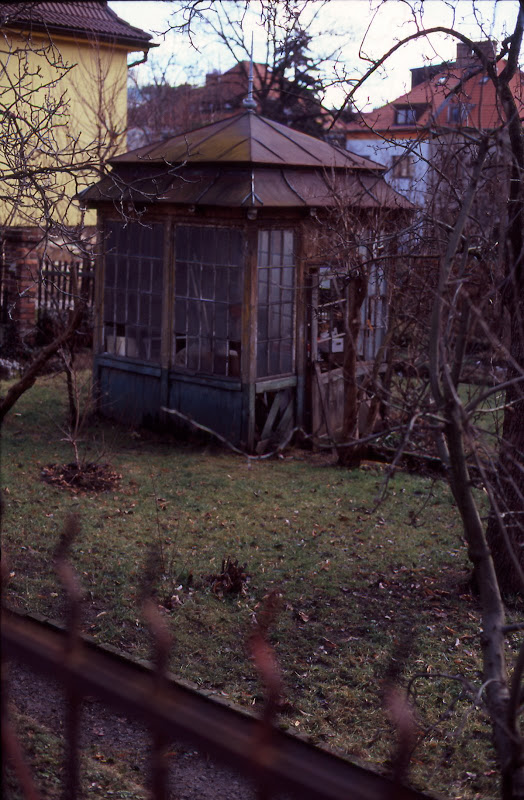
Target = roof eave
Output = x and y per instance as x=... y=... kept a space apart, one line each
x=136 y=43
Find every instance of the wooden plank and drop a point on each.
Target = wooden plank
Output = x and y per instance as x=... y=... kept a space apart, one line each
x=323 y=403
x=286 y=423
x=168 y=299
x=216 y=381
x=271 y=417
x=123 y=364
x=274 y=384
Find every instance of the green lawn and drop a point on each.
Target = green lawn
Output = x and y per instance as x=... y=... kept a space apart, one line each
x=365 y=592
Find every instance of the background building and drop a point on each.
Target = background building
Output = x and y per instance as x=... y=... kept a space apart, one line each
x=63 y=92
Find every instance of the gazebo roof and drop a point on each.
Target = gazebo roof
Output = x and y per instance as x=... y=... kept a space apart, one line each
x=245 y=161
x=247 y=138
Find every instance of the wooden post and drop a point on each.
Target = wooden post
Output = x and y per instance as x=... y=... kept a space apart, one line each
x=249 y=339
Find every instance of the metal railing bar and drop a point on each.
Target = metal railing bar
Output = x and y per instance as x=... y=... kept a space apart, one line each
x=174 y=710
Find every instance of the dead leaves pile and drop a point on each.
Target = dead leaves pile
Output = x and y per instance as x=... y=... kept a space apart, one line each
x=89 y=477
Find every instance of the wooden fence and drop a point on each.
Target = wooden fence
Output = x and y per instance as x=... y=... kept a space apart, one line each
x=56 y=285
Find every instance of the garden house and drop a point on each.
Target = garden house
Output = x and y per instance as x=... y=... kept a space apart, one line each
x=214 y=297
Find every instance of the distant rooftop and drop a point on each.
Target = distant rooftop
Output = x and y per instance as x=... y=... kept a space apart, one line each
x=457 y=94
x=87 y=19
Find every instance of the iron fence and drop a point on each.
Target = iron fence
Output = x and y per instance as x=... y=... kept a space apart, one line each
x=278 y=762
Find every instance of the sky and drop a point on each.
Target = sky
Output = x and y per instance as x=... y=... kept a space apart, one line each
x=364 y=28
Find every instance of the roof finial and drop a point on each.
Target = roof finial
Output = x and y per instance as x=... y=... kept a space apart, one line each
x=248 y=101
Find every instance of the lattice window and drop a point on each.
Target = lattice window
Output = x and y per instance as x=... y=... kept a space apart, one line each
x=133 y=290
x=209 y=285
x=275 y=323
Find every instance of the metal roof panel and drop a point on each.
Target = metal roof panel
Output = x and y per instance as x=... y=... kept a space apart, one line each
x=250 y=139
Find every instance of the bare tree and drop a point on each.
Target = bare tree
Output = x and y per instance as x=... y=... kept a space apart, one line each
x=290 y=86
x=61 y=120
x=466 y=241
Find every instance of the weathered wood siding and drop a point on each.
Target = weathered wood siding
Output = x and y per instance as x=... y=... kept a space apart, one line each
x=218 y=405
x=128 y=391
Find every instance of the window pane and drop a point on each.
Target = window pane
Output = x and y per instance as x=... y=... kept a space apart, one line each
x=208 y=296
x=274 y=285
x=109 y=300
x=221 y=320
x=134 y=273
x=156 y=308
x=276 y=248
x=110 y=271
x=193 y=317
x=262 y=370
x=275 y=332
x=120 y=307
x=287 y=320
x=273 y=313
x=206 y=248
x=235 y=285
x=180 y=315
x=263 y=248
x=193 y=280
x=133 y=290
x=181 y=278
x=182 y=244
x=144 y=282
x=132 y=299
x=274 y=358
x=143 y=313
x=286 y=356
x=222 y=285
x=263 y=283
x=288 y=256
x=208 y=283
x=193 y=353
x=235 y=321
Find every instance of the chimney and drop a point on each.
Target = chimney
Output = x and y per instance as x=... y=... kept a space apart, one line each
x=467 y=58
x=212 y=78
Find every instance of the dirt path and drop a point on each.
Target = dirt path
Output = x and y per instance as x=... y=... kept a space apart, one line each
x=192 y=775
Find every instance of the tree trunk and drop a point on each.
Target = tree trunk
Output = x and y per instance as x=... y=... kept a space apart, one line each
x=506 y=524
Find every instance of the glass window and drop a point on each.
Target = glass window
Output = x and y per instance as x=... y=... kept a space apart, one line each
x=133 y=290
x=276 y=281
x=403 y=167
x=405 y=116
x=209 y=284
x=458 y=112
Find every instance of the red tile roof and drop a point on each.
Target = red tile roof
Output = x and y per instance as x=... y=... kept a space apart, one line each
x=86 y=19
x=431 y=100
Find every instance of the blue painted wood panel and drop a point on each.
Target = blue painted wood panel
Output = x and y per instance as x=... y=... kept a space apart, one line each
x=129 y=395
x=133 y=393
x=216 y=407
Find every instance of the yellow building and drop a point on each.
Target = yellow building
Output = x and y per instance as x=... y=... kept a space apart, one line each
x=63 y=102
